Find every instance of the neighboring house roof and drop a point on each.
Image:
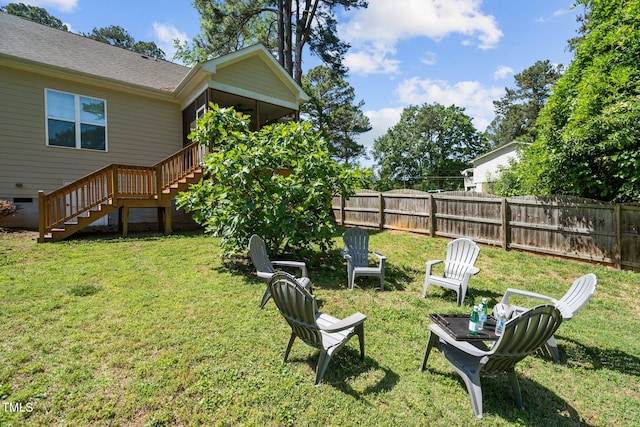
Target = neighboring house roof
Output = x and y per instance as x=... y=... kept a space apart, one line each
x=25 y=40
x=500 y=151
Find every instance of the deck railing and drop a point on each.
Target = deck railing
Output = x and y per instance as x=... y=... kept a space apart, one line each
x=113 y=183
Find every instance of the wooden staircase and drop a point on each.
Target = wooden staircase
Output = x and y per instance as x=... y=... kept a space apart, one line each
x=80 y=203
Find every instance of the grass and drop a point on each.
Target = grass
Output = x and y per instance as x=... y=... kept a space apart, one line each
x=162 y=331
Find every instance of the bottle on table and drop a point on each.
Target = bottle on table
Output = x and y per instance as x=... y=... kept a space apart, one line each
x=482 y=314
x=474 y=320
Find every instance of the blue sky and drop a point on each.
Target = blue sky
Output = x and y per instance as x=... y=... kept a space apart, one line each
x=462 y=52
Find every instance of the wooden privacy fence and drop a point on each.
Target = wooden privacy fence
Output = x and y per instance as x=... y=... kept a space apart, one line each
x=557 y=225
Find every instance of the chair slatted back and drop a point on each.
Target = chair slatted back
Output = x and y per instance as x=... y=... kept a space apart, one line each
x=577 y=296
x=356 y=242
x=297 y=306
x=461 y=254
x=259 y=256
x=523 y=335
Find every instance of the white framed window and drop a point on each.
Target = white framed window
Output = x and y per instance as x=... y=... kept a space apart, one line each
x=75 y=121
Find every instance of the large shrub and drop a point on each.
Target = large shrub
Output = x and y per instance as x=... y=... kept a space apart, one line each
x=277 y=182
x=588 y=144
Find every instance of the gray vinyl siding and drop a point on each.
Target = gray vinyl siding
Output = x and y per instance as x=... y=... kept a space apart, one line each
x=140 y=131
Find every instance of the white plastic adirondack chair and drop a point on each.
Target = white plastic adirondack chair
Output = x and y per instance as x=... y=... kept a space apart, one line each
x=458 y=268
x=265 y=267
x=522 y=335
x=576 y=297
x=356 y=252
x=322 y=331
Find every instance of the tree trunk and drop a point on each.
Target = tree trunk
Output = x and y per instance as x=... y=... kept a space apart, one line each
x=281 y=32
x=287 y=37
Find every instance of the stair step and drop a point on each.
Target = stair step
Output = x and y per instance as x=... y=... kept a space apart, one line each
x=105 y=206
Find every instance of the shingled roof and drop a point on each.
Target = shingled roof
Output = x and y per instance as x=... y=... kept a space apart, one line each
x=26 y=40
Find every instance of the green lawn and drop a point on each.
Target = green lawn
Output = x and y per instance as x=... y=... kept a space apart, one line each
x=154 y=330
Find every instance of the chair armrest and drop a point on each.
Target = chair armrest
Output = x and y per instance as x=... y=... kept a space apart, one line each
x=297 y=264
x=430 y=265
x=473 y=270
x=346 y=323
x=465 y=346
x=512 y=291
x=265 y=275
x=378 y=255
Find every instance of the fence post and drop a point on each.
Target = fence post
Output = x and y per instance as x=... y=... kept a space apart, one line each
x=380 y=211
x=506 y=231
x=341 y=210
x=617 y=209
x=432 y=216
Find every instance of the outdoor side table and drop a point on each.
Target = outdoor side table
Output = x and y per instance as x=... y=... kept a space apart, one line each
x=457 y=325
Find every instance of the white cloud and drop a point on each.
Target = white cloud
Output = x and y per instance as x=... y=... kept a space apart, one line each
x=429 y=58
x=374 y=32
x=61 y=5
x=381 y=121
x=556 y=14
x=372 y=59
x=502 y=72
x=472 y=95
x=166 y=34
x=561 y=12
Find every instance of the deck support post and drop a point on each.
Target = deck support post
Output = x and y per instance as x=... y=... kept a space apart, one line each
x=123 y=220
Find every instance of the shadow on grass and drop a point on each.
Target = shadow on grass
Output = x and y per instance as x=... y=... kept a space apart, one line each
x=327 y=271
x=473 y=296
x=543 y=407
x=593 y=358
x=346 y=367
x=109 y=235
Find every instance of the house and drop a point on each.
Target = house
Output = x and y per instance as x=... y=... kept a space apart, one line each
x=486 y=167
x=73 y=111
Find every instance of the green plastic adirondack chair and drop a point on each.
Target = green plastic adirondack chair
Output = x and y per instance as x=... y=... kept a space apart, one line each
x=523 y=335
x=356 y=252
x=265 y=267
x=318 y=330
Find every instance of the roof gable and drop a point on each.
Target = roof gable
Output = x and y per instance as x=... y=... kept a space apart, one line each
x=253 y=72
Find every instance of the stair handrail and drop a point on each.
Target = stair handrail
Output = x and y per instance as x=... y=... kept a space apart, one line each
x=114 y=182
x=179 y=165
x=75 y=198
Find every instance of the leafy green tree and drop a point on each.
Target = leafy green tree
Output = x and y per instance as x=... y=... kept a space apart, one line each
x=34 y=13
x=333 y=112
x=429 y=140
x=518 y=110
x=284 y=26
x=277 y=182
x=588 y=130
x=118 y=36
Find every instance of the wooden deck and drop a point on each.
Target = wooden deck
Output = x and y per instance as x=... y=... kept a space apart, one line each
x=74 y=206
